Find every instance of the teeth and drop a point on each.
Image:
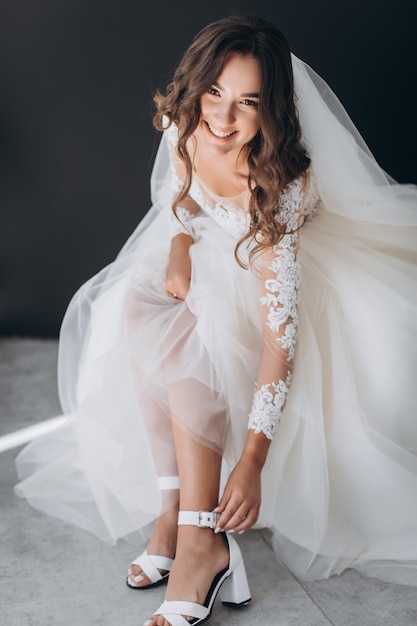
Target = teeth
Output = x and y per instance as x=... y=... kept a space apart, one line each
x=218 y=133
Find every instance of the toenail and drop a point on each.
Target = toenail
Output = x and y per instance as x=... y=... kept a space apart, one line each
x=139 y=579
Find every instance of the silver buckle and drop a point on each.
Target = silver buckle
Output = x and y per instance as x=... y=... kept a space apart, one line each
x=207 y=519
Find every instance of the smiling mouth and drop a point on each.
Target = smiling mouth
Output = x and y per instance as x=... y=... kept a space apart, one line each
x=218 y=133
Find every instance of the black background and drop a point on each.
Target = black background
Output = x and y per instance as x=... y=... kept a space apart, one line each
x=76 y=138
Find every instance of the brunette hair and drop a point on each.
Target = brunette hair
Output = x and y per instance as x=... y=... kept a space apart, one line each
x=276 y=156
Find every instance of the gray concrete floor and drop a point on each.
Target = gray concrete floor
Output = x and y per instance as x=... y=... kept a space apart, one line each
x=54 y=574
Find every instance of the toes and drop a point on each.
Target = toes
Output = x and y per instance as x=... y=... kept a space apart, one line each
x=157 y=620
x=138 y=580
x=137 y=577
x=135 y=570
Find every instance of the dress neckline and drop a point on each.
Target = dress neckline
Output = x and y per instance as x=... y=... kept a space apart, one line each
x=207 y=188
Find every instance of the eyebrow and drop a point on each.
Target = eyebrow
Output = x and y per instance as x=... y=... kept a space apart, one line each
x=242 y=95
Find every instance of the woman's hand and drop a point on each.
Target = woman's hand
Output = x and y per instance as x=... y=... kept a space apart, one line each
x=178 y=275
x=241 y=500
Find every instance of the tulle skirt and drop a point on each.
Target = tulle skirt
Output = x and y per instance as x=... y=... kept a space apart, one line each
x=339 y=488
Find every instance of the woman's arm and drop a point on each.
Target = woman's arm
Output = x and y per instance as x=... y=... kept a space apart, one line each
x=178 y=274
x=280 y=280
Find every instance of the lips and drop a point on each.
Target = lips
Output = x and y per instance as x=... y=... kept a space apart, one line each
x=219 y=133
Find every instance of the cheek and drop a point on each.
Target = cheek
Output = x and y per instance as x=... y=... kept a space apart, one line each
x=205 y=107
x=254 y=126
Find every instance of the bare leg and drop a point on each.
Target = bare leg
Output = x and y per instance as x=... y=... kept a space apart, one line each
x=193 y=405
x=159 y=430
x=164 y=535
x=200 y=554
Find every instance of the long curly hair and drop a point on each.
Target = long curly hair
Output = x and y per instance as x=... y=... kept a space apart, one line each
x=276 y=156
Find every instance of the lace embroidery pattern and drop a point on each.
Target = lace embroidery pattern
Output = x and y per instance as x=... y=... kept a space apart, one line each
x=268 y=402
x=282 y=302
x=182 y=224
x=282 y=299
x=231 y=219
x=312 y=200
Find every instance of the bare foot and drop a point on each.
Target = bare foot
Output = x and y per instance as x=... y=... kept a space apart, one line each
x=163 y=543
x=200 y=555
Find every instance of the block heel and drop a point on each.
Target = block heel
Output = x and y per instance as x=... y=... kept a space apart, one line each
x=235 y=590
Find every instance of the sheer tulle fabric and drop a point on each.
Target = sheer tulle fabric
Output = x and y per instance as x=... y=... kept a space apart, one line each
x=340 y=483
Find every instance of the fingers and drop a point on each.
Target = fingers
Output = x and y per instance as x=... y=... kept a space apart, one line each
x=239 y=520
x=236 y=516
x=176 y=291
x=223 y=502
x=175 y=296
x=232 y=520
x=176 y=288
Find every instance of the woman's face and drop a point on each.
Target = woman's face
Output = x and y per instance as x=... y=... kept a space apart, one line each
x=229 y=109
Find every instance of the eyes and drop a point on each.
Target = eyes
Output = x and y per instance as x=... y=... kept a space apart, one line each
x=252 y=103
x=213 y=91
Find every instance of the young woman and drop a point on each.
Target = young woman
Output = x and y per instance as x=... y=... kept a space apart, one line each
x=270 y=218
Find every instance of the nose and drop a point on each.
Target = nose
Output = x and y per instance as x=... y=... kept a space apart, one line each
x=226 y=114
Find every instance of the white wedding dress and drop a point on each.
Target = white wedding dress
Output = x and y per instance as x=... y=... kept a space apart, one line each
x=340 y=483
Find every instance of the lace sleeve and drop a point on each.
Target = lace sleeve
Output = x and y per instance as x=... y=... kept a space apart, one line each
x=182 y=222
x=280 y=282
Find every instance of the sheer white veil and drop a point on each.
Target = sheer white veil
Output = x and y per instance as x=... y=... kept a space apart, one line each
x=351 y=183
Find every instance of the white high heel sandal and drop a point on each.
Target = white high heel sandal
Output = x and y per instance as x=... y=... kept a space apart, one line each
x=231 y=582
x=153 y=564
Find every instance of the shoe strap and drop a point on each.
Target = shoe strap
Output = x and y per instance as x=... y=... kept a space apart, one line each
x=202 y=519
x=151 y=564
x=171 y=609
x=157 y=561
x=166 y=483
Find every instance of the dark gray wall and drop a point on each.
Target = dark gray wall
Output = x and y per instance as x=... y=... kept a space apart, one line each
x=76 y=139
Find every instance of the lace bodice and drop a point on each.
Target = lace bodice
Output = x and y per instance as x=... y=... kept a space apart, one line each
x=279 y=275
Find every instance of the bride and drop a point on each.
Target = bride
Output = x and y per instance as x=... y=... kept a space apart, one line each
x=277 y=253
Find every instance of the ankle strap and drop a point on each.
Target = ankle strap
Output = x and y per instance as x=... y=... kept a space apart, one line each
x=166 y=483
x=202 y=519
